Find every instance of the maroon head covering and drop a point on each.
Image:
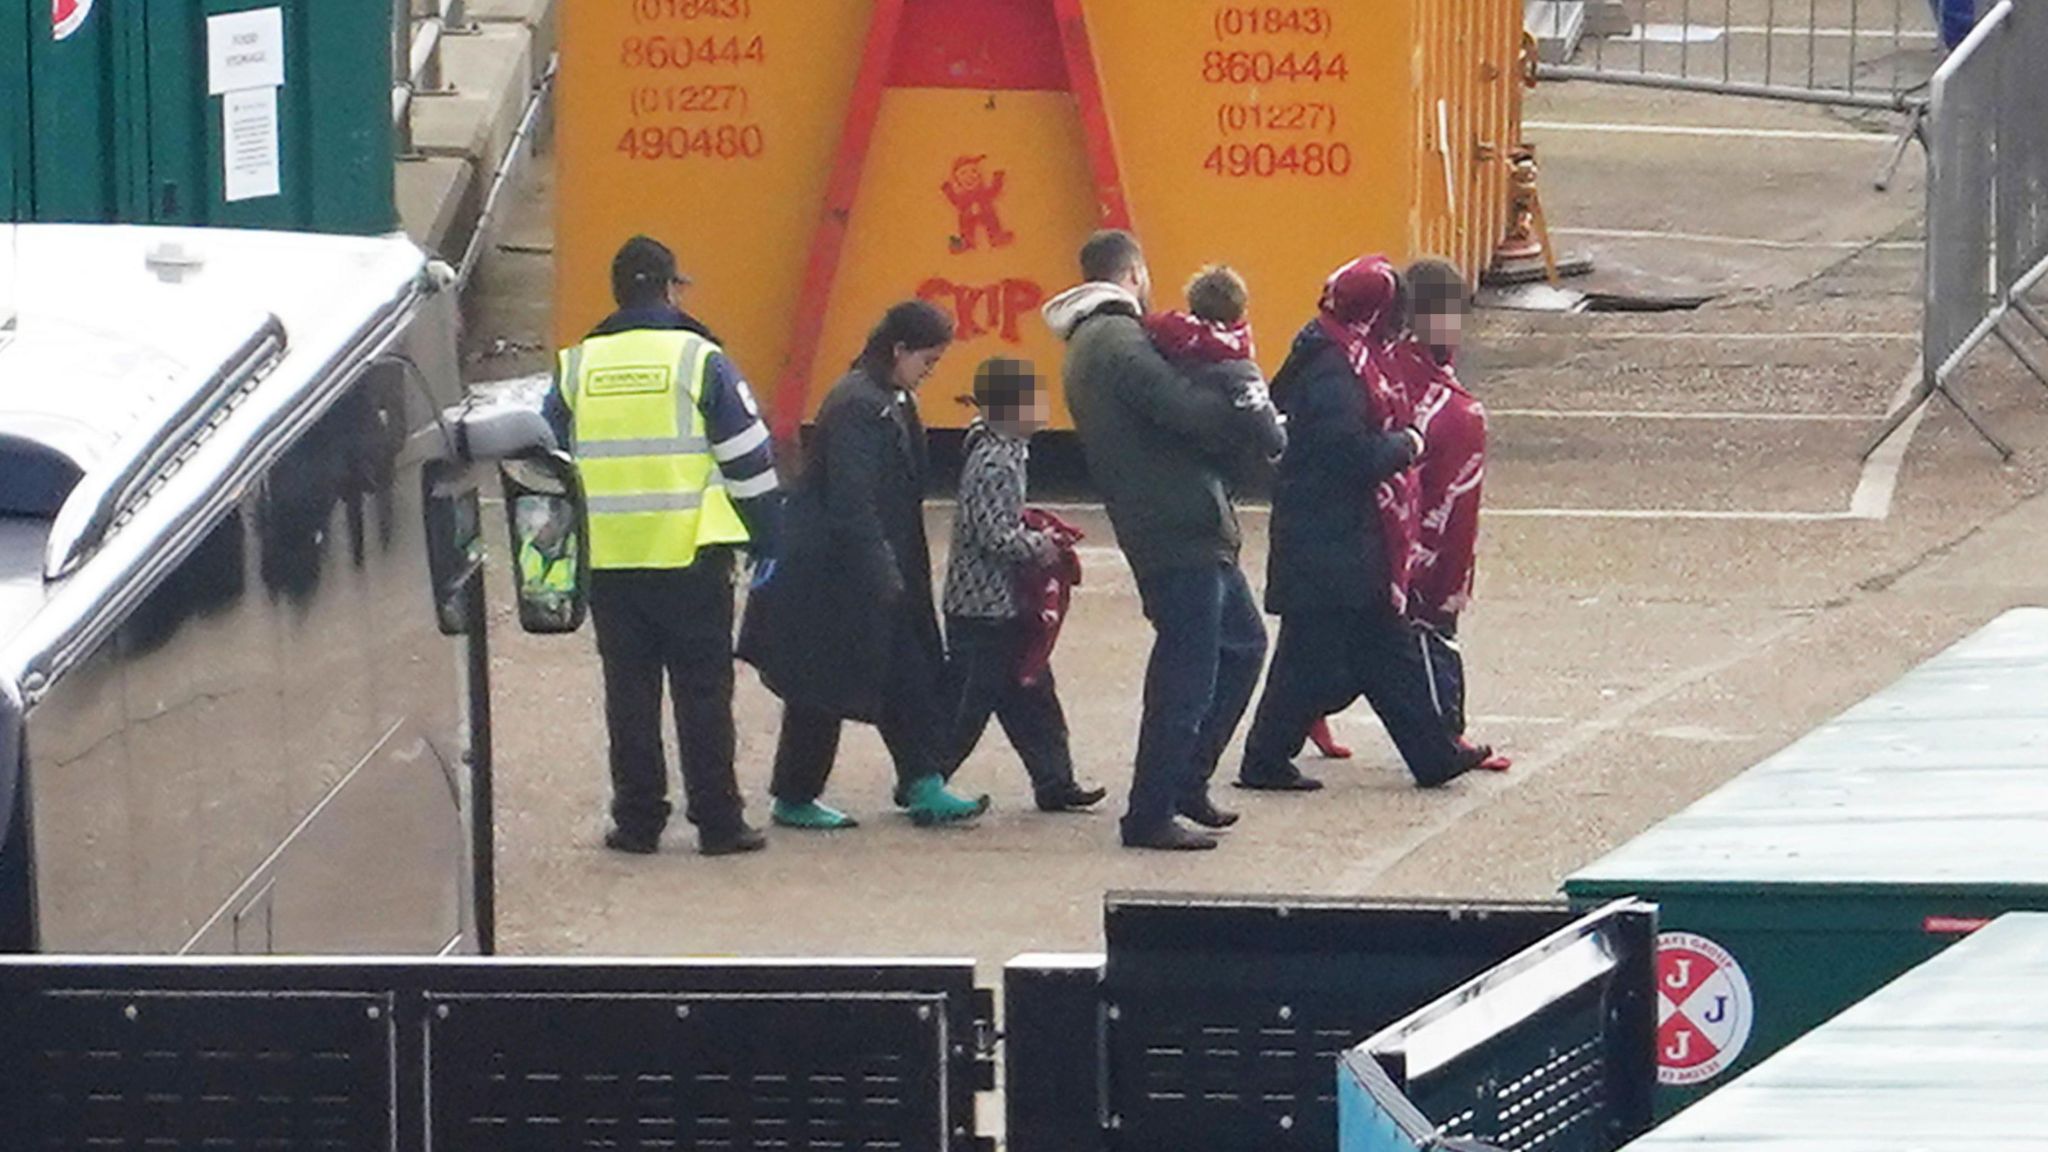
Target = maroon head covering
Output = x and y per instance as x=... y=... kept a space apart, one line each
x=1361 y=314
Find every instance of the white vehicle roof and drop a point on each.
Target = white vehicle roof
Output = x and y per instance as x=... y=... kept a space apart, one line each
x=149 y=363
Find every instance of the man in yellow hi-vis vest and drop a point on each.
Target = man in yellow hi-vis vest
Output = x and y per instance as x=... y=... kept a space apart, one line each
x=679 y=474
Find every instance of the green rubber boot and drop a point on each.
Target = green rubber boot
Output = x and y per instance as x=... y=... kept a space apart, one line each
x=931 y=804
x=811 y=817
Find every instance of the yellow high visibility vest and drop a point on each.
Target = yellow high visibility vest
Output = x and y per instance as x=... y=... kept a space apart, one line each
x=537 y=573
x=654 y=489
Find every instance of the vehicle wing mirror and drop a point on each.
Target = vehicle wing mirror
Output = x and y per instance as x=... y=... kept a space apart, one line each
x=547 y=515
x=455 y=546
x=504 y=420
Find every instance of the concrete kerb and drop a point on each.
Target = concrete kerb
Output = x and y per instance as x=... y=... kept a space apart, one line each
x=537 y=16
x=461 y=138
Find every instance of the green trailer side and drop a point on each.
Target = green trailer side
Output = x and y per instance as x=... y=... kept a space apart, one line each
x=1947 y=1058
x=1859 y=852
x=14 y=107
x=123 y=126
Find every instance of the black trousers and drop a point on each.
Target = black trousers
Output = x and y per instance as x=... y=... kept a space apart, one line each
x=1445 y=661
x=678 y=623
x=1324 y=661
x=913 y=725
x=982 y=671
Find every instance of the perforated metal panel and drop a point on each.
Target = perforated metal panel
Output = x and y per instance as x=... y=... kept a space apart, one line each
x=211 y=1072
x=1547 y=1089
x=1551 y=1051
x=188 y=1055
x=1227 y=1016
x=549 y=1073
x=1249 y=1062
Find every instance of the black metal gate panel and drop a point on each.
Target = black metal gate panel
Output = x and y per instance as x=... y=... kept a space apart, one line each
x=489 y=1055
x=92 y=1069
x=1226 y=1016
x=513 y=1074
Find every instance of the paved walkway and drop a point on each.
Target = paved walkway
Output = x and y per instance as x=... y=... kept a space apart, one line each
x=1686 y=567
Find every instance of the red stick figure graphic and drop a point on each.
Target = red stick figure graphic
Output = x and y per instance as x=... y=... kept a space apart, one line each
x=973 y=194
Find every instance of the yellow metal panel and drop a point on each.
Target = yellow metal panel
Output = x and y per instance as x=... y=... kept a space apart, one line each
x=977 y=202
x=1283 y=138
x=1186 y=80
x=740 y=217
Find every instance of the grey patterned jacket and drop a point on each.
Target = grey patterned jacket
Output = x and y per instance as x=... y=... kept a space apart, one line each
x=991 y=546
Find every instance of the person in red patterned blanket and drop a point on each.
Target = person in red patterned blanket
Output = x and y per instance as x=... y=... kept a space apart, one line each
x=1452 y=472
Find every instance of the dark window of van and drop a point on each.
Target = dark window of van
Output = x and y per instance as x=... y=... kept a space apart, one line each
x=34 y=478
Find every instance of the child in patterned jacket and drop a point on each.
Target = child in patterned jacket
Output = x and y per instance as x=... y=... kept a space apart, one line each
x=987 y=633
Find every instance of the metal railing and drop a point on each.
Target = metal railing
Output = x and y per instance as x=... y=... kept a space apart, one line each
x=1987 y=205
x=1857 y=53
x=416 y=56
x=1871 y=54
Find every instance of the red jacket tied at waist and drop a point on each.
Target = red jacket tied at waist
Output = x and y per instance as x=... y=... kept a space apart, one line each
x=1046 y=592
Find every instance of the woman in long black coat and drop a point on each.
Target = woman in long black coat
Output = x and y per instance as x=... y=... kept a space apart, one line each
x=846 y=628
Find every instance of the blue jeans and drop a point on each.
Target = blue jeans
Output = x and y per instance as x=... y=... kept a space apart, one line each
x=1956 y=18
x=1209 y=644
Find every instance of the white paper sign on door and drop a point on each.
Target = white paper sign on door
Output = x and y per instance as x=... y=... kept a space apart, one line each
x=249 y=143
x=244 y=50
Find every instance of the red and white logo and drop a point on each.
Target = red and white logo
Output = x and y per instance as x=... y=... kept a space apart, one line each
x=1704 y=1009
x=68 y=16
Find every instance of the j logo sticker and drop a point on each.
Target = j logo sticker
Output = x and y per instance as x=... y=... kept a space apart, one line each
x=1704 y=1009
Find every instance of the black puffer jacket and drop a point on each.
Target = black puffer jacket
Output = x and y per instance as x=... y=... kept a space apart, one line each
x=1327 y=552
x=856 y=566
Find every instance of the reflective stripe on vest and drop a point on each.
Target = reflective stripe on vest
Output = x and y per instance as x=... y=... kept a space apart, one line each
x=654 y=489
x=537 y=572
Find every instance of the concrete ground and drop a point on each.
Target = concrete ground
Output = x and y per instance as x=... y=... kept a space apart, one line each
x=1685 y=566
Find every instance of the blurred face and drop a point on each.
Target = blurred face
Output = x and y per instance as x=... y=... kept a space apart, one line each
x=1442 y=329
x=1025 y=418
x=676 y=289
x=914 y=366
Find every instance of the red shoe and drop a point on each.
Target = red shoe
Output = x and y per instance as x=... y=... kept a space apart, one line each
x=1326 y=743
x=1494 y=762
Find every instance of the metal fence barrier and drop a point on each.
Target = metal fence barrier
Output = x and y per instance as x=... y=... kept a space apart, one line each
x=1987 y=205
x=416 y=55
x=1554 y=1049
x=1874 y=54
x=1856 y=53
x=490 y=1056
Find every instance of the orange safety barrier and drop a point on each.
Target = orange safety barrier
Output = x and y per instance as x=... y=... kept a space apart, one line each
x=814 y=161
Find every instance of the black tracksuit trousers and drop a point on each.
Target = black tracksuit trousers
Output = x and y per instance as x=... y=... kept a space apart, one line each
x=1324 y=661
